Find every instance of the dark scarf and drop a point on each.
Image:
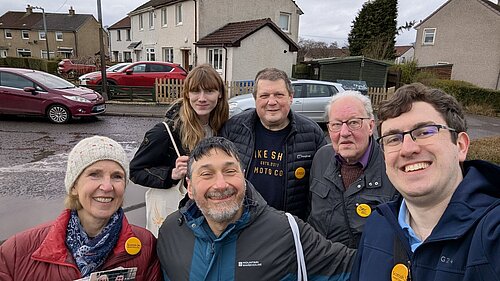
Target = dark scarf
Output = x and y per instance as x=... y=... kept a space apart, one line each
x=90 y=253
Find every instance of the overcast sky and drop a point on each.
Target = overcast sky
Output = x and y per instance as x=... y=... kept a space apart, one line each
x=323 y=20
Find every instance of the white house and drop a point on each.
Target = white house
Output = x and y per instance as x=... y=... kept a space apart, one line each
x=120 y=39
x=167 y=30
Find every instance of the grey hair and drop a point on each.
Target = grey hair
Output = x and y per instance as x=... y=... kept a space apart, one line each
x=365 y=100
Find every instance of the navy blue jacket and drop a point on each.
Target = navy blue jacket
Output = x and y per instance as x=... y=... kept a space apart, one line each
x=464 y=245
x=259 y=246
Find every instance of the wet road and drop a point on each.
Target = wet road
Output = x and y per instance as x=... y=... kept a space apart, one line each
x=33 y=156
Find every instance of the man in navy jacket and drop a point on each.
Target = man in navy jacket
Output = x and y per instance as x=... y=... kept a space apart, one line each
x=446 y=226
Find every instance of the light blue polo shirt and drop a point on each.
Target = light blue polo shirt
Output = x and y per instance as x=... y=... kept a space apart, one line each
x=404 y=222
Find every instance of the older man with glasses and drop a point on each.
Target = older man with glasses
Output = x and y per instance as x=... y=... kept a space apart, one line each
x=446 y=225
x=348 y=178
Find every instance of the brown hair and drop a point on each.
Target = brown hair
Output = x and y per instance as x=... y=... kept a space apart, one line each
x=402 y=101
x=201 y=77
x=272 y=74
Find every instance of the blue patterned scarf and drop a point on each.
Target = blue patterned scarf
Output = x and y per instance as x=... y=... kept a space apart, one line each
x=90 y=253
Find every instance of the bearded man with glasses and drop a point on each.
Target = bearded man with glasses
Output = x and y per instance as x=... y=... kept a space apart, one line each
x=348 y=178
x=446 y=225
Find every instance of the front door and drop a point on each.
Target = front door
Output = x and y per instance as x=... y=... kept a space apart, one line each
x=185 y=59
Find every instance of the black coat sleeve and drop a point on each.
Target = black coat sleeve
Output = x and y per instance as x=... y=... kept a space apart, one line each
x=154 y=160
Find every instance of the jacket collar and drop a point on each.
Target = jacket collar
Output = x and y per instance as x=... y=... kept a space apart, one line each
x=53 y=248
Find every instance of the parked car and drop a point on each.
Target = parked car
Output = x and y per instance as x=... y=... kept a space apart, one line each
x=70 y=69
x=355 y=85
x=32 y=92
x=142 y=73
x=114 y=68
x=309 y=99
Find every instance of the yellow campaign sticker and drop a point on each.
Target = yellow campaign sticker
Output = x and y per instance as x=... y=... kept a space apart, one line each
x=300 y=172
x=363 y=210
x=133 y=245
x=399 y=272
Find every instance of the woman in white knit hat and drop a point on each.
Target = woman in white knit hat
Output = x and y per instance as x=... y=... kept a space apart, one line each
x=92 y=234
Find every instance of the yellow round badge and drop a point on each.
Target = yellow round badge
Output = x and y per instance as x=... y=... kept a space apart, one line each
x=300 y=173
x=133 y=245
x=399 y=272
x=363 y=210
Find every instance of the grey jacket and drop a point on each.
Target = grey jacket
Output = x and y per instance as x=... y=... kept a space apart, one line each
x=333 y=209
x=305 y=138
x=259 y=246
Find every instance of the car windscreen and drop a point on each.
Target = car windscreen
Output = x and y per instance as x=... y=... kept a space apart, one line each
x=49 y=80
x=117 y=67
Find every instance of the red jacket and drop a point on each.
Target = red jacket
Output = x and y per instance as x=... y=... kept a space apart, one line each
x=40 y=253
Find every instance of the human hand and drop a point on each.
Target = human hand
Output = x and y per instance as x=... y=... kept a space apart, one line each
x=180 y=169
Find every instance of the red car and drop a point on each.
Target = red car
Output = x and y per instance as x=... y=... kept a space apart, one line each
x=142 y=73
x=32 y=92
x=69 y=68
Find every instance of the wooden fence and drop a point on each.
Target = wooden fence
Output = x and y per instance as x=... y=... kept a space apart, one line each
x=168 y=90
x=377 y=95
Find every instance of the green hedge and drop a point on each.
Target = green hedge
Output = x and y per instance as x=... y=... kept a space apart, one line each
x=30 y=63
x=468 y=94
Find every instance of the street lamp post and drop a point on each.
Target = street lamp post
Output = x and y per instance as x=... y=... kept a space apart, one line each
x=44 y=29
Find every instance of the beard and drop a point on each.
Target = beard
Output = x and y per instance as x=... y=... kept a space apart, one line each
x=224 y=211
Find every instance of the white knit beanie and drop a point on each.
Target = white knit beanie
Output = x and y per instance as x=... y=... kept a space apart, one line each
x=90 y=150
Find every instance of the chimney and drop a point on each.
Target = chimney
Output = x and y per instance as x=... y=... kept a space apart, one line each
x=71 y=11
x=29 y=10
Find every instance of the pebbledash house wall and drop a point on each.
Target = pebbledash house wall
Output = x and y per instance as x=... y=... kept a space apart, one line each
x=467 y=36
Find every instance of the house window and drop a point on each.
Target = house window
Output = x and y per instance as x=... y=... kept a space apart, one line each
x=127 y=56
x=119 y=56
x=141 y=22
x=284 y=22
x=128 y=34
x=43 y=54
x=8 y=33
x=178 y=14
x=151 y=20
x=150 y=54
x=118 y=35
x=25 y=34
x=164 y=16
x=168 y=54
x=215 y=58
x=23 y=52
x=59 y=36
x=429 y=36
x=42 y=35
x=64 y=52
x=3 y=53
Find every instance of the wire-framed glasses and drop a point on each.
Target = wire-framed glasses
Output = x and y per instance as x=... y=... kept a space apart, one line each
x=421 y=135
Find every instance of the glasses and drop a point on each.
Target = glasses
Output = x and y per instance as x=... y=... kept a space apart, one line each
x=421 y=135
x=353 y=124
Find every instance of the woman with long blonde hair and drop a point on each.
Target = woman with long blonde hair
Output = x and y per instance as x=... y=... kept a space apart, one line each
x=198 y=114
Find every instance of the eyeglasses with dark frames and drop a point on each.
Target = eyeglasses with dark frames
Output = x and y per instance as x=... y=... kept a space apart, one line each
x=353 y=124
x=421 y=135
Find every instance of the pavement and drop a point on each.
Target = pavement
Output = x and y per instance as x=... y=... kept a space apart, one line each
x=135 y=109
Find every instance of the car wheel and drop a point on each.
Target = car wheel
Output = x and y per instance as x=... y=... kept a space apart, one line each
x=72 y=74
x=58 y=114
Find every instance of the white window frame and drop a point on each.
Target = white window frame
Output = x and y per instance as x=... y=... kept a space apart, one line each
x=141 y=22
x=19 y=51
x=118 y=35
x=164 y=17
x=288 y=18
x=57 y=36
x=128 y=34
x=178 y=14
x=43 y=54
x=42 y=36
x=3 y=53
x=8 y=34
x=168 y=54
x=428 y=31
x=215 y=58
x=25 y=32
x=150 y=54
x=126 y=58
x=151 y=16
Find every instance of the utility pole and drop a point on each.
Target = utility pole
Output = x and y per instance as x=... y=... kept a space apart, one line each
x=44 y=29
x=104 y=81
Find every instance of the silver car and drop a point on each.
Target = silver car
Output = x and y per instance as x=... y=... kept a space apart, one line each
x=309 y=99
